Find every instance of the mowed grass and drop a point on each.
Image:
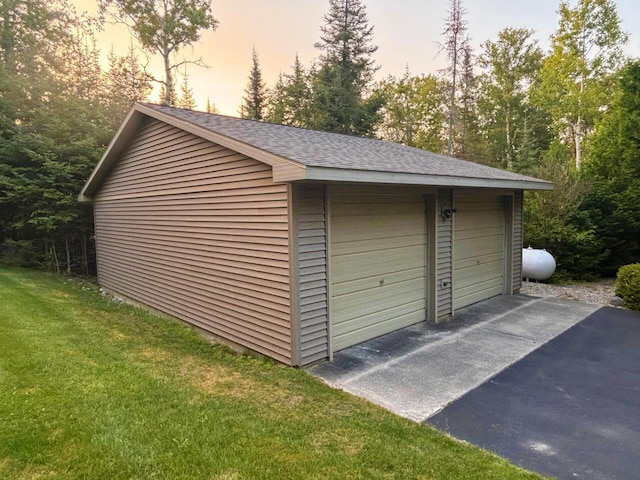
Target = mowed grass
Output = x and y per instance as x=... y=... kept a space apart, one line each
x=95 y=390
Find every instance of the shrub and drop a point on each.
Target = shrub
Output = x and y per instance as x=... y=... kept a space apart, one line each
x=628 y=285
x=18 y=253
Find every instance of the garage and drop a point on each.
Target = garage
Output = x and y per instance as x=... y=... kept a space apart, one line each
x=377 y=262
x=479 y=265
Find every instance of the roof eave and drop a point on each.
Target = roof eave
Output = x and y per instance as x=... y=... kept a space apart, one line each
x=367 y=176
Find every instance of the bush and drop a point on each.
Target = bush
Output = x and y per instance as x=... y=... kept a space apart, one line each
x=18 y=253
x=628 y=285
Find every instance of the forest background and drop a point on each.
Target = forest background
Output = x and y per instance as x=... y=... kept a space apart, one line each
x=569 y=114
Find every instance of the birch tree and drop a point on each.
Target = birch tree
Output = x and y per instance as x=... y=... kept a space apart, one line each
x=577 y=76
x=164 y=27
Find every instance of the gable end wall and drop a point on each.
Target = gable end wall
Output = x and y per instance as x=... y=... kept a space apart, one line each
x=199 y=232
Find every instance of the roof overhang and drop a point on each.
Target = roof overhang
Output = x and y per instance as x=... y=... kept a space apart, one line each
x=284 y=169
x=323 y=174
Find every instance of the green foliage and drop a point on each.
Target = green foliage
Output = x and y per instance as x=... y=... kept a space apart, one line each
x=510 y=66
x=575 y=85
x=345 y=71
x=253 y=104
x=164 y=27
x=59 y=112
x=628 y=285
x=414 y=111
x=18 y=253
x=613 y=165
x=289 y=101
x=554 y=220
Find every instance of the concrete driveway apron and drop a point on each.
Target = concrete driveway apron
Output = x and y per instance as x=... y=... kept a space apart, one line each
x=417 y=371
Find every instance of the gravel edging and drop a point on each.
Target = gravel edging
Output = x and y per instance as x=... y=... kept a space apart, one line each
x=601 y=292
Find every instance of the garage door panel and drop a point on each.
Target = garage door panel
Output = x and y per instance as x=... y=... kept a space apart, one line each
x=477 y=274
x=377 y=324
x=483 y=230
x=479 y=249
x=351 y=233
x=345 y=268
x=358 y=285
x=474 y=261
x=345 y=229
x=472 y=221
x=376 y=244
x=470 y=295
x=374 y=237
x=357 y=304
x=361 y=210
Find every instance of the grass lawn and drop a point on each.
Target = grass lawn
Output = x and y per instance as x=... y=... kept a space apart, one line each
x=95 y=390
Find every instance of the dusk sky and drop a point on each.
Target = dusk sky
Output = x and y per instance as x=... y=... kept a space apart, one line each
x=407 y=32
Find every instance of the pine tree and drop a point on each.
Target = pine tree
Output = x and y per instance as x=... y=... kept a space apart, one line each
x=253 y=104
x=211 y=107
x=468 y=140
x=455 y=44
x=345 y=72
x=186 y=99
x=297 y=96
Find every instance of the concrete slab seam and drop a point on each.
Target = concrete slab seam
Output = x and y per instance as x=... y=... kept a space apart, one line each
x=445 y=341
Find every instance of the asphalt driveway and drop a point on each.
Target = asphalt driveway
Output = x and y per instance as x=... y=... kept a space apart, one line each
x=570 y=409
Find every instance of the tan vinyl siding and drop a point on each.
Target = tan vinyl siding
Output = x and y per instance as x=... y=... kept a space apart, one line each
x=199 y=232
x=309 y=216
x=378 y=254
x=444 y=258
x=517 y=241
x=479 y=247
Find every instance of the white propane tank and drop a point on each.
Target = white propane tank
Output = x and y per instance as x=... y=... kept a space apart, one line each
x=537 y=264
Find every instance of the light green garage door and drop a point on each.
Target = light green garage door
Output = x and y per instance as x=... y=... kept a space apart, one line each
x=377 y=263
x=478 y=249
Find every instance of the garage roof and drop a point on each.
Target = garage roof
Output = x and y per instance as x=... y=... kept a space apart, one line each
x=298 y=154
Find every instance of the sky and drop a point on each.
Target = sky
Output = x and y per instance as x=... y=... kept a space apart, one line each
x=406 y=32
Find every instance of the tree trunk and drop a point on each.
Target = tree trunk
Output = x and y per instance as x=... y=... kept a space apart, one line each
x=54 y=257
x=452 y=101
x=578 y=140
x=68 y=252
x=85 y=258
x=168 y=91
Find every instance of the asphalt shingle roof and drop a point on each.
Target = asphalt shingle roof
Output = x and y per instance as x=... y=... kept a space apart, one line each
x=331 y=150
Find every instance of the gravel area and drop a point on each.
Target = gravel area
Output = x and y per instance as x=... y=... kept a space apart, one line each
x=601 y=292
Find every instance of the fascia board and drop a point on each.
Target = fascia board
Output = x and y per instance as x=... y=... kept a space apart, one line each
x=366 y=176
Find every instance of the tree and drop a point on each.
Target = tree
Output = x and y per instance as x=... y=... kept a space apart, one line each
x=127 y=82
x=164 y=27
x=468 y=140
x=345 y=72
x=186 y=99
x=254 y=101
x=585 y=51
x=275 y=102
x=211 y=107
x=57 y=112
x=455 y=44
x=613 y=165
x=289 y=101
x=414 y=111
x=510 y=65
